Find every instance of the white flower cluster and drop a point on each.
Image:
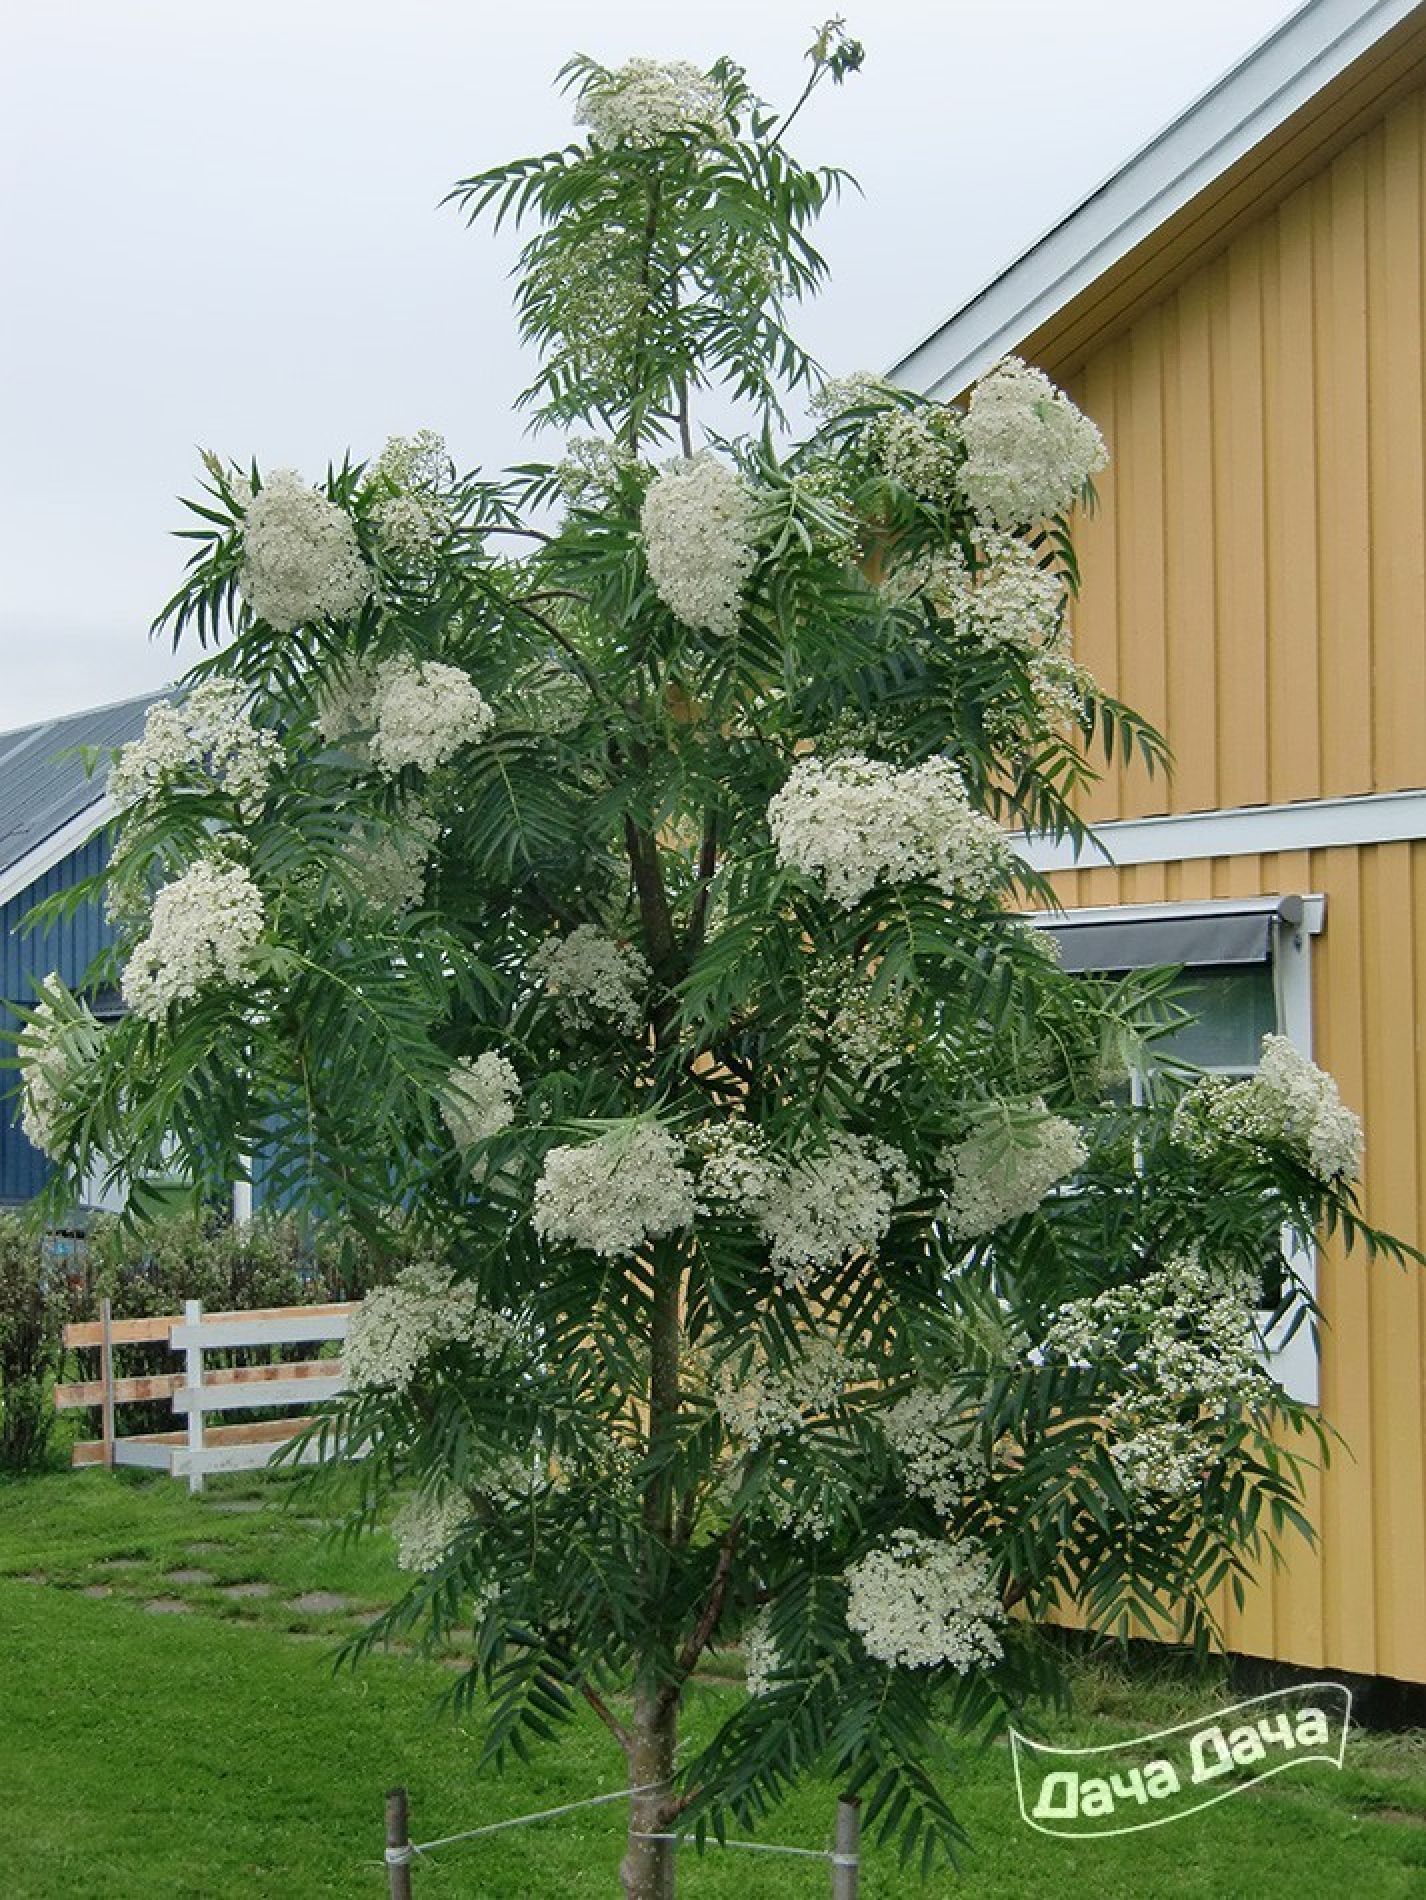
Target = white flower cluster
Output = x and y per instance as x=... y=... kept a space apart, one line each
x=1029 y=451
x=1010 y=600
x=301 y=558
x=591 y=469
x=616 y=1193
x=931 y=1434
x=53 y=1049
x=388 y=863
x=1006 y=1166
x=762 y=1659
x=855 y=822
x=1163 y=1460
x=425 y=1528
x=411 y=480
x=1290 y=1101
x=646 y=100
x=698 y=528
x=344 y=707
x=208 y=733
x=862 y=389
x=758 y=1399
x=922 y=1602
x=596 y=300
x=424 y=712
x=397 y=1328
x=205 y=928
x=814 y=1210
x=594 y=978
x=480 y=1098
x=921 y=448
x=1186 y=1332
x=833 y=1203
x=867 y=1032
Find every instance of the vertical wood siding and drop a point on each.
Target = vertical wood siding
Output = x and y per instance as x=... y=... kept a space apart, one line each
x=1255 y=575
x=1355 y=1601
x=1255 y=581
x=67 y=946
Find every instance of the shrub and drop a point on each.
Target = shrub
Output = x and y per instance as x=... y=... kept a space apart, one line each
x=35 y=1302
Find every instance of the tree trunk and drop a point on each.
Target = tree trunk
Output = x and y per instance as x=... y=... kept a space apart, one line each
x=649 y=1868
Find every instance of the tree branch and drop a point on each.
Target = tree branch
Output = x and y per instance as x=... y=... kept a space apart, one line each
x=712 y=1611
x=707 y=864
x=601 y=1708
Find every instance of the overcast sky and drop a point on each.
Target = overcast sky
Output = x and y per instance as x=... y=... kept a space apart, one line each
x=220 y=229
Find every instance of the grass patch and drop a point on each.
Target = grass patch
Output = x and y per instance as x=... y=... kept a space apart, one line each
x=214 y=1754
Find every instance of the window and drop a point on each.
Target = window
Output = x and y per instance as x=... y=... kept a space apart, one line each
x=1247 y=974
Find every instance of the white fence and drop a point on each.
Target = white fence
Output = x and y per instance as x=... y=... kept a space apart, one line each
x=200 y=1389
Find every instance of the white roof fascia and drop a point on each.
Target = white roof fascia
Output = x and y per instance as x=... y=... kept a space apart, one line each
x=1304 y=54
x=1308 y=824
x=54 y=849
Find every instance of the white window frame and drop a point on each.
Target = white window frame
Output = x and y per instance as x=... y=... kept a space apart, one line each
x=1294 y=1362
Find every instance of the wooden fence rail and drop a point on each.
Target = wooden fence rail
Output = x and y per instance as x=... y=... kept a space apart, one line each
x=199 y=1389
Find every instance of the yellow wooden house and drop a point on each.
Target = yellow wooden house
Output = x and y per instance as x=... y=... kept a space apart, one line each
x=1242 y=309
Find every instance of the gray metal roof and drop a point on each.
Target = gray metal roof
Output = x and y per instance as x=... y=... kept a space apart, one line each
x=44 y=785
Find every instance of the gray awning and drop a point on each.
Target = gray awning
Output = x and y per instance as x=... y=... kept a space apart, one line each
x=1216 y=934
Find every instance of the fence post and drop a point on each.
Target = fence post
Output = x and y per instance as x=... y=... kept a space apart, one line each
x=847 y=1855
x=398 y=1844
x=106 y=1376
x=193 y=1383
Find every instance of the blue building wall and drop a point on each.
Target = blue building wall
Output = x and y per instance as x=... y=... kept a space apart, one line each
x=68 y=946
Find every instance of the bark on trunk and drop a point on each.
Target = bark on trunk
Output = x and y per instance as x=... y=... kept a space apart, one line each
x=649 y=1868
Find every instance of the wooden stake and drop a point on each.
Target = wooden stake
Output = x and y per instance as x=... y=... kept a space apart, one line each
x=398 y=1844
x=846 y=1867
x=106 y=1379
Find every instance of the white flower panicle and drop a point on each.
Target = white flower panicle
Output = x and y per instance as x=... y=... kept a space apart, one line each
x=591 y=469
x=758 y=1399
x=931 y=1434
x=762 y=1659
x=698 y=529
x=207 y=734
x=834 y=1203
x=426 y=1527
x=1005 y=1167
x=614 y=1194
x=1187 y=1339
x=1162 y=1460
x=301 y=557
x=1289 y=1102
x=411 y=480
x=1010 y=600
x=1186 y=1332
x=398 y=1328
x=480 y=1098
x=424 y=713
x=344 y=707
x=834 y=1200
x=388 y=863
x=862 y=389
x=854 y=822
x=53 y=1049
x=1029 y=451
x=923 y=1602
x=205 y=930
x=648 y=100
x=593 y=978
x=868 y=1032
x=922 y=449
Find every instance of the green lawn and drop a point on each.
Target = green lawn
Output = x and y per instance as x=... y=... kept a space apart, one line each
x=211 y=1750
